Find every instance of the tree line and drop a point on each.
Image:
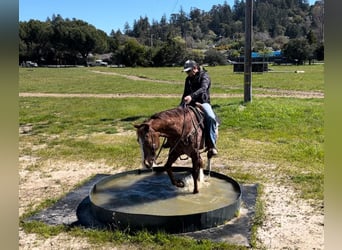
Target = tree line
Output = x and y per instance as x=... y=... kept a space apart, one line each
x=292 y=26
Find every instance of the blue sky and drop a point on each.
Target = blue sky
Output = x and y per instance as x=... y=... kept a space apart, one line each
x=110 y=15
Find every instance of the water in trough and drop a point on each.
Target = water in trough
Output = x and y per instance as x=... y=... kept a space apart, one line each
x=148 y=199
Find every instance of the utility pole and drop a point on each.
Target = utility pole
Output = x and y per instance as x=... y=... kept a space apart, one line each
x=248 y=51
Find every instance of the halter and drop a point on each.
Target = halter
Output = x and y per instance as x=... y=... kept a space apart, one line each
x=142 y=141
x=151 y=130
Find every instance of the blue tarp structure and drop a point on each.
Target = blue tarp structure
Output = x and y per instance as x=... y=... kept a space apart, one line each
x=271 y=54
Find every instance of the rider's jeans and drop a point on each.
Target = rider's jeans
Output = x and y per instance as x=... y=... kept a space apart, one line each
x=211 y=123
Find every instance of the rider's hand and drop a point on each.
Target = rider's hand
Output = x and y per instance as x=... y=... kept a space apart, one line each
x=187 y=99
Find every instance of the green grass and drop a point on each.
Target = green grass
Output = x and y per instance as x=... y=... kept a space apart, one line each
x=140 y=240
x=223 y=77
x=76 y=120
x=83 y=80
x=285 y=132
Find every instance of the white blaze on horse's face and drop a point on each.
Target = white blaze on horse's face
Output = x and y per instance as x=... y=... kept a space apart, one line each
x=142 y=151
x=148 y=140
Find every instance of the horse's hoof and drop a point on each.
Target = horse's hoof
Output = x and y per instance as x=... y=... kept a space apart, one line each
x=180 y=184
x=195 y=192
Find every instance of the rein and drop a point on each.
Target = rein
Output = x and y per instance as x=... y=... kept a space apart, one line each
x=161 y=147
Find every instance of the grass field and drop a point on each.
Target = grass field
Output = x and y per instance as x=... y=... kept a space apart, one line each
x=83 y=80
x=284 y=132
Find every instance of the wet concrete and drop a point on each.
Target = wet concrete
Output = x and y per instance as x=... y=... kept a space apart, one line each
x=74 y=210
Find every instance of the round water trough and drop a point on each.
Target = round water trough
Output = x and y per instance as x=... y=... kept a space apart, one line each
x=145 y=199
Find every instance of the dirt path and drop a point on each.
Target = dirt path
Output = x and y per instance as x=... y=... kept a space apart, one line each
x=134 y=78
x=290 y=223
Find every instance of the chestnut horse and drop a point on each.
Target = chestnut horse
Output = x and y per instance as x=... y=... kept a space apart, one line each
x=184 y=129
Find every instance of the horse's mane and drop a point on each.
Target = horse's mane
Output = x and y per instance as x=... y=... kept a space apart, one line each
x=175 y=112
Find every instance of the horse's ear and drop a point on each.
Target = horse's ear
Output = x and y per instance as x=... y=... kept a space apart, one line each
x=138 y=126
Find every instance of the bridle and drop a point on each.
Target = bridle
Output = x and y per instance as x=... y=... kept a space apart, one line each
x=154 y=147
x=142 y=142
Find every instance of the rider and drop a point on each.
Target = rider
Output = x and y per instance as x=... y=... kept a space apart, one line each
x=196 y=90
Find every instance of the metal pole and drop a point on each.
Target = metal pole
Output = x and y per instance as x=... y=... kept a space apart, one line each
x=248 y=51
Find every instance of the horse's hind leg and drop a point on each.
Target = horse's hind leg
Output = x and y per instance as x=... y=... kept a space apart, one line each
x=209 y=156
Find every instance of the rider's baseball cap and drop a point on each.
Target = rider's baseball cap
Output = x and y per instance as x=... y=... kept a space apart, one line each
x=189 y=64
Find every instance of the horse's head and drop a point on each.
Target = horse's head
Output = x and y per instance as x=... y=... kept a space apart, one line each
x=149 y=143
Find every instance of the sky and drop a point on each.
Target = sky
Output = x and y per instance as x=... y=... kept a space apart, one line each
x=108 y=15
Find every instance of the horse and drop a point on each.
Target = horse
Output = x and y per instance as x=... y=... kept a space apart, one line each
x=183 y=127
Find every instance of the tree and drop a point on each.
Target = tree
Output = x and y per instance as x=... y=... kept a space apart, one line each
x=132 y=53
x=276 y=22
x=83 y=38
x=114 y=40
x=319 y=52
x=142 y=30
x=173 y=52
x=214 y=57
x=297 y=50
x=195 y=54
x=317 y=13
x=34 y=39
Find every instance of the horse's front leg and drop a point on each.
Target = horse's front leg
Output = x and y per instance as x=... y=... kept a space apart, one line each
x=168 y=166
x=197 y=164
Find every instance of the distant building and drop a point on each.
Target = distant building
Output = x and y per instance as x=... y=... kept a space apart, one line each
x=273 y=56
